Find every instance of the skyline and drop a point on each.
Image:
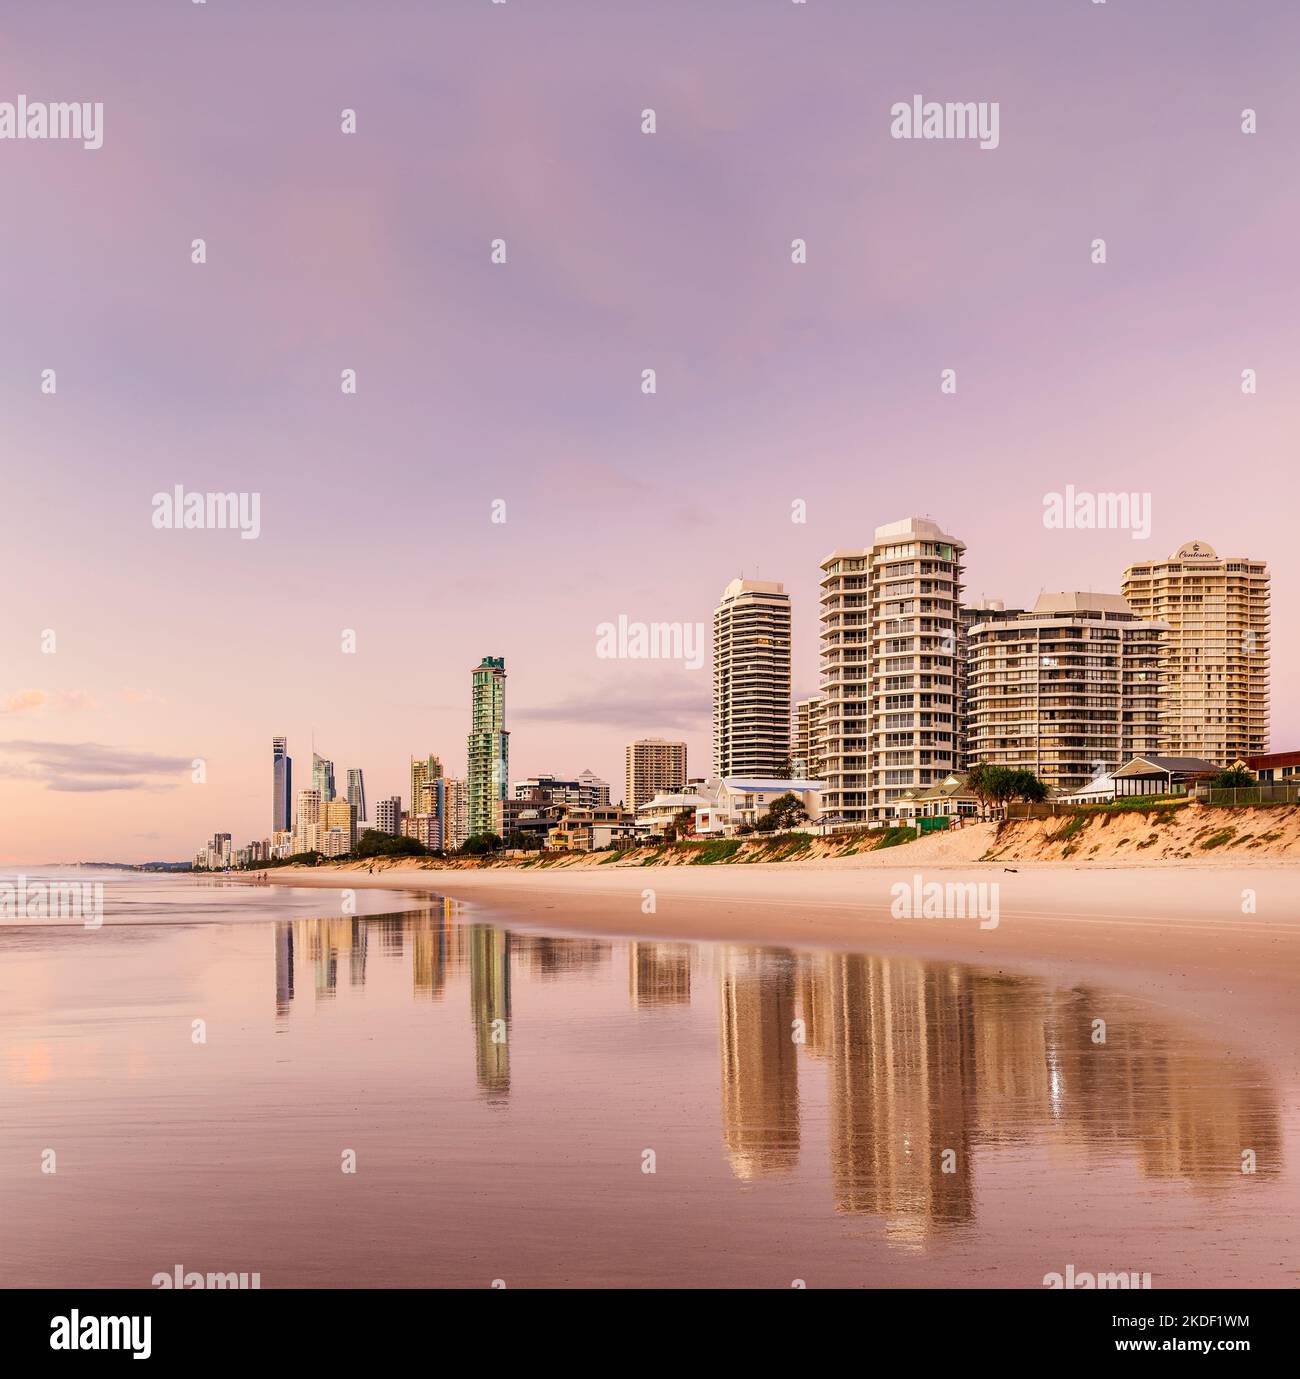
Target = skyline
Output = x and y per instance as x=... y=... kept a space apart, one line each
x=520 y=382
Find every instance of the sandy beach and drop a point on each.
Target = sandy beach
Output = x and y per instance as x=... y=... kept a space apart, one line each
x=1176 y=935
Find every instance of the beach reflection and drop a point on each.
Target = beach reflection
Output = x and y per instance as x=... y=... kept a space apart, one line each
x=844 y=1118
x=925 y=1064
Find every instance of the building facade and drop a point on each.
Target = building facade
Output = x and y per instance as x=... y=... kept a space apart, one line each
x=751 y=680
x=654 y=767
x=587 y=790
x=282 y=785
x=388 y=815
x=340 y=816
x=489 y=746
x=322 y=778
x=357 y=792
x=452 y=805
x=424 y=771
x=890 y=668
x=805 y=737
x=307 y=822
x=1069 y=690
x=1215 y=681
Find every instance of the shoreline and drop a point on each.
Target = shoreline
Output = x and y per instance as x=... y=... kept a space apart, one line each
x=1168 y=937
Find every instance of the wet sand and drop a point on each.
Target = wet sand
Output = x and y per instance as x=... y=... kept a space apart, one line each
x=848 y=1118
x=1173 y=934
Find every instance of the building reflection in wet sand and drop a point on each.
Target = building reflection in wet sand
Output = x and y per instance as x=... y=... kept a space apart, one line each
x=926 y=1065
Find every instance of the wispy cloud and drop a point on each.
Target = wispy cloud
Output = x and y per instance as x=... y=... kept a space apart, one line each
x=81 y=767
x=30 y=701
x=658 y=704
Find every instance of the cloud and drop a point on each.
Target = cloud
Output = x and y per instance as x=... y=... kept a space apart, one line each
x=24 y=702
x=656 y=705
x=142 y=696
x=89 y=767
x=31 y=700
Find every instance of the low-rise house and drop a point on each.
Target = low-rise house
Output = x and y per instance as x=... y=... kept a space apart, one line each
x=586 y=830
x=951 y=799
x=1275 y=768
x=737 y=800
x=1099 y=790
x=1156 y=775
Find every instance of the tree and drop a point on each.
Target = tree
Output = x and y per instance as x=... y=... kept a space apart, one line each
x=1234 y=778
x=977 y=781
x=998 y=785
x=523 y=841
x=480 y=844
x=372 y=843
x=784 y=812
x=1026 y=786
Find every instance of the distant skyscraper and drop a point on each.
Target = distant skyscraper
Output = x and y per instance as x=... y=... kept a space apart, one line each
x=453 y=812
x=282 y=789
x=340 y=815
x=388 y=815
x=489 y=747
x=307 y=822
x=357 y=792
x=751 y=680
x=1215 y=674
x=424 y=771
x=654 y=767
x=322 y=778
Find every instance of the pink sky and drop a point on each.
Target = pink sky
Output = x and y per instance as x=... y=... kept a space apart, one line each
x=522 y=382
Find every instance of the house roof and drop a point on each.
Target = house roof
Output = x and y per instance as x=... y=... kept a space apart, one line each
x=1158 y=766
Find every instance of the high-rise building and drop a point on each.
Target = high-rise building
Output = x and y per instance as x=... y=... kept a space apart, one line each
x=322 y=778
x=751 y=680
x=453 y=812
x=340 y=814
x=1215 y=677
x=986 y=610
x=357 y=792
x=307 y=822
x=489 y=746
x=282 y=787
x=890 y=668
x=424 y=771
x=1068 y=690
x=654 y=767
x=805 y=738
x=388 y=815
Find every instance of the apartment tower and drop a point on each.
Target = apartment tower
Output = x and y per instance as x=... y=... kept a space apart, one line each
x=424 y=771
x=654 y=767
x=1215 y=680
x=489 y=747
x=805 y=738
x=751 y=680
x=357 y=792
x=388 y=815
x=282 y=785
x=890 y=668
x=1068 y=690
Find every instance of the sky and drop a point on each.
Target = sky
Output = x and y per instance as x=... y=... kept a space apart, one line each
x=515 y=389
